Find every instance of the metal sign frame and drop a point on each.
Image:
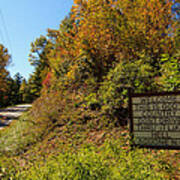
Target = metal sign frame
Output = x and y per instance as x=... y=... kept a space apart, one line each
x=131 y=123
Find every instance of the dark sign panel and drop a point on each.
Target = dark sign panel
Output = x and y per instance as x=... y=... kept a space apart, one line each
x=155 y=120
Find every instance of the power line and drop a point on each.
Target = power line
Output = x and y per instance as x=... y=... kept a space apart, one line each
x=6 y=31
x=2 y=37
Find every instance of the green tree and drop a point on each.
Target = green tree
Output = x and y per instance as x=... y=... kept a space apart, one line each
x=39 y=59
x=25 y=92
x=35 y=83
x=14 y=85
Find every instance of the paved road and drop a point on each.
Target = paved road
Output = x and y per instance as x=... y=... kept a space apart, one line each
x=9 y=114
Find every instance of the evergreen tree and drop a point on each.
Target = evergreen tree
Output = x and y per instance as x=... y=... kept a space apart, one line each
x=39 y=59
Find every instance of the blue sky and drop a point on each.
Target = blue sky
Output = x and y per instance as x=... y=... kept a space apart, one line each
x=25 y=21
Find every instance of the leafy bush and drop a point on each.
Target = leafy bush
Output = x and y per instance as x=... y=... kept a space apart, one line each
x=170 y=68
x=112 y=95
x=107 y=162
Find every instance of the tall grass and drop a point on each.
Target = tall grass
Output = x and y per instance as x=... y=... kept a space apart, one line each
x=108 y=162
x=18 y=136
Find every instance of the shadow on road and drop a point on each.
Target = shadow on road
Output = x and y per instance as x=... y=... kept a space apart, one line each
x=3 y=124
x=13 y=110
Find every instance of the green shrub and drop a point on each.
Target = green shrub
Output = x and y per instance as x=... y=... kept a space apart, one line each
x=110 y=161
x=170 y=72
x=112 y=96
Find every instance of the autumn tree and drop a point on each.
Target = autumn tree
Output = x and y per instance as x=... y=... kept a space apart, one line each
x=4 y=61
x=63 y=52
x=115 y=31
x=106 y=46
x=4 y=74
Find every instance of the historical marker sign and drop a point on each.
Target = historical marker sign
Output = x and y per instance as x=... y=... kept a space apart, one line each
x=155 y=120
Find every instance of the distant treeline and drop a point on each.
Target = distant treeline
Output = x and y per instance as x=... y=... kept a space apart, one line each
x=13 y=90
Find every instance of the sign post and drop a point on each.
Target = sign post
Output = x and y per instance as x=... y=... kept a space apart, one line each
x=155 y=120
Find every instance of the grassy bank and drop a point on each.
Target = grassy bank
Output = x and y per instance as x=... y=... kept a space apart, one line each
x=75 y=151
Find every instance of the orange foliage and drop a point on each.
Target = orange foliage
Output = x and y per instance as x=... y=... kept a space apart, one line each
x=4 y=61
x=47 y=80
x=105 y=32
